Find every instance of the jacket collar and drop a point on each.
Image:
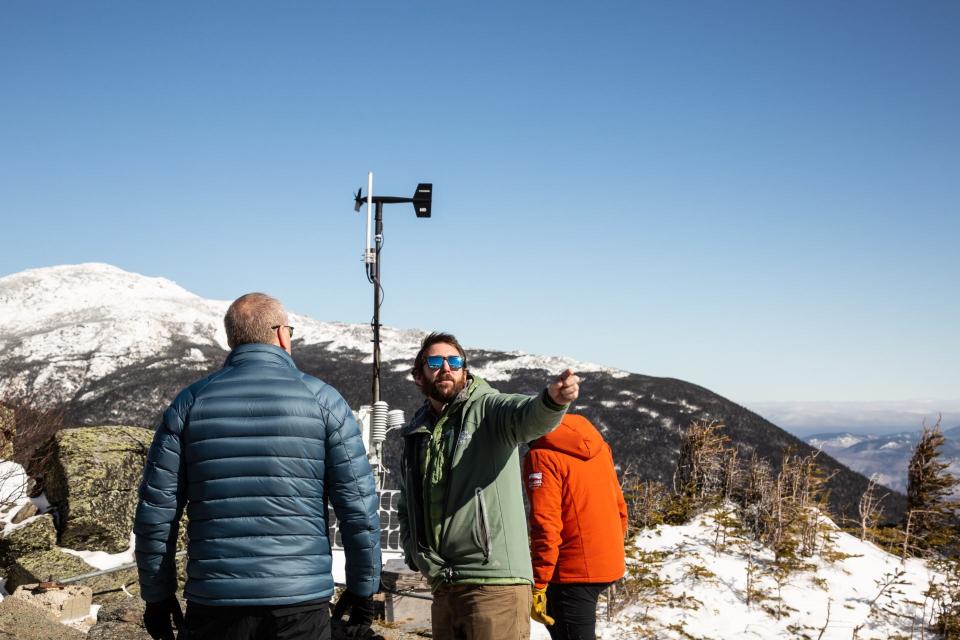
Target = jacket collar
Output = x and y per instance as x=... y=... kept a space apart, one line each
x=258 y=352
x=424 y=419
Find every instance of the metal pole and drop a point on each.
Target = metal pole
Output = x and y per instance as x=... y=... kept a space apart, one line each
x=378 y=238
x=94 y=574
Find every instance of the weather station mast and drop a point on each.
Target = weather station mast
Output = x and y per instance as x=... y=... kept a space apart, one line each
x=376 y=419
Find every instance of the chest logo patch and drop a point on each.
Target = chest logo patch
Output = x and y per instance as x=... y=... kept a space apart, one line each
x=535 y=480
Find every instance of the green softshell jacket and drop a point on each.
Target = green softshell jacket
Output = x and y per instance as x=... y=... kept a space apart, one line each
x=466 y=480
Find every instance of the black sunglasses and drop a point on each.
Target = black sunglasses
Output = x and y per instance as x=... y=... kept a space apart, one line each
x=289 y=328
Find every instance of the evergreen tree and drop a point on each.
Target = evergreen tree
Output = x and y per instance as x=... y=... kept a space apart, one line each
x=931 y=508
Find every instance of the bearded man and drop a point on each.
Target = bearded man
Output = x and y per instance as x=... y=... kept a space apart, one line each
x=462 y=522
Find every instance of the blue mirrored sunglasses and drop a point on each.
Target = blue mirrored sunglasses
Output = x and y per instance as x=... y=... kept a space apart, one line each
x=436 y=362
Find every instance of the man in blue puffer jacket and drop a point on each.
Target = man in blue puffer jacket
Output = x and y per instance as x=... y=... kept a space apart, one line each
x=254 y=452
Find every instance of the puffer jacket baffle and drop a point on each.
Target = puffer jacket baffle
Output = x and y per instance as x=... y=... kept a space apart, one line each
x=254 y=451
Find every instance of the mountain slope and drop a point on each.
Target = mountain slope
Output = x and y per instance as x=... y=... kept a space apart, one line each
x=885 y=456
x=115 y=347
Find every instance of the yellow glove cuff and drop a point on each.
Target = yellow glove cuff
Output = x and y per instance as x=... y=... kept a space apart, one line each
x=538 y=611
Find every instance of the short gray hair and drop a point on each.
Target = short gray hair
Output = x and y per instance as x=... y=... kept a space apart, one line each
x=250 y=318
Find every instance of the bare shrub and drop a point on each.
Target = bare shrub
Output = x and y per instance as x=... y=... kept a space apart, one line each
x=870 y=511
x=647 y=500
x=702 y=466
x=34 y=427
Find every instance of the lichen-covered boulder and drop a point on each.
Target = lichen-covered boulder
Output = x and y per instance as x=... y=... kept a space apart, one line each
x=41 y=566
x=35 y=536
x=7 y=432
x=91 y=474
x=57 y=564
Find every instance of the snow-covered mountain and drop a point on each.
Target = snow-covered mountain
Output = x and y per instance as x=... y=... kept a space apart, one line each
x=884 y=456
x=114 y=347
x=66 y=329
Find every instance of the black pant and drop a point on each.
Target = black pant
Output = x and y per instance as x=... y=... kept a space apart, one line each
x=308 y=622
x=574 y=610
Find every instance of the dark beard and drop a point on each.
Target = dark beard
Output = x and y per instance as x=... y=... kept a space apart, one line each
x=434 y=392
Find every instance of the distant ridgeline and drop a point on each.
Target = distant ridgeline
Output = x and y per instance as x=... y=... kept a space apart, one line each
x=115 y=347
x=640 y=416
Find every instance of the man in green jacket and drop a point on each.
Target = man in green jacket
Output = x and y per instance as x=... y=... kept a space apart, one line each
x=462 y=522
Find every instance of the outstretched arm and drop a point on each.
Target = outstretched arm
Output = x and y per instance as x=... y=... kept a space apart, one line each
x=519 y=418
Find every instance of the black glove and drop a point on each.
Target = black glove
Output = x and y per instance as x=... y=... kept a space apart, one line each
x=161 y=618
x=361 y=614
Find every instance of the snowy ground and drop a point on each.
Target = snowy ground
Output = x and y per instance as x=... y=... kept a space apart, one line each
x=703 y=586
x=101 y=559
x=704 y=592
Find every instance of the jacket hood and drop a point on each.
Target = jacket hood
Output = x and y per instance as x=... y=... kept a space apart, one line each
x=574 y=436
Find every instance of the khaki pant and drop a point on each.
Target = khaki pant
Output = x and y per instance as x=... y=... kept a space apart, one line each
x=481 y=612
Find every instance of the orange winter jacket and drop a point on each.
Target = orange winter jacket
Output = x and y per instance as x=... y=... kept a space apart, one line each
x=578 y=518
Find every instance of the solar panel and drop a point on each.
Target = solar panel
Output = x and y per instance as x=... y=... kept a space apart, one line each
x=389 y=522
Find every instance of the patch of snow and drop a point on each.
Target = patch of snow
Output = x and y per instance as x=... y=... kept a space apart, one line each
x=13 y=493
x=102 y=560
x=680 y=402
x=503 y=369
x=717 y=604
x=649 y=412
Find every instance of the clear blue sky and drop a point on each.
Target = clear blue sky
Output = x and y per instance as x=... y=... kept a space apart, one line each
x=762 y=198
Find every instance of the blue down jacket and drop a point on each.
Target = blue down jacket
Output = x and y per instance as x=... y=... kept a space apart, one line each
x=254 y=451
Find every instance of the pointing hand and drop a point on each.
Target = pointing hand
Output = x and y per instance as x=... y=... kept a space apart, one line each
x=566 y=388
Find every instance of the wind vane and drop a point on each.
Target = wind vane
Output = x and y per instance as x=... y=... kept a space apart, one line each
x=422 y=200
x=377 y=418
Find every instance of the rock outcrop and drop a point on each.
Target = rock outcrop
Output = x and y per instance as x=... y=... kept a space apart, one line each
x=68 y=604
x=21 y=620
x=41 y=566
x=120 y=620
x=91 y=475
x=26 y=511
x=36 y=536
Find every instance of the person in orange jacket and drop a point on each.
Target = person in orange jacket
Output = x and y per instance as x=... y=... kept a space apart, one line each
x=578 y=520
